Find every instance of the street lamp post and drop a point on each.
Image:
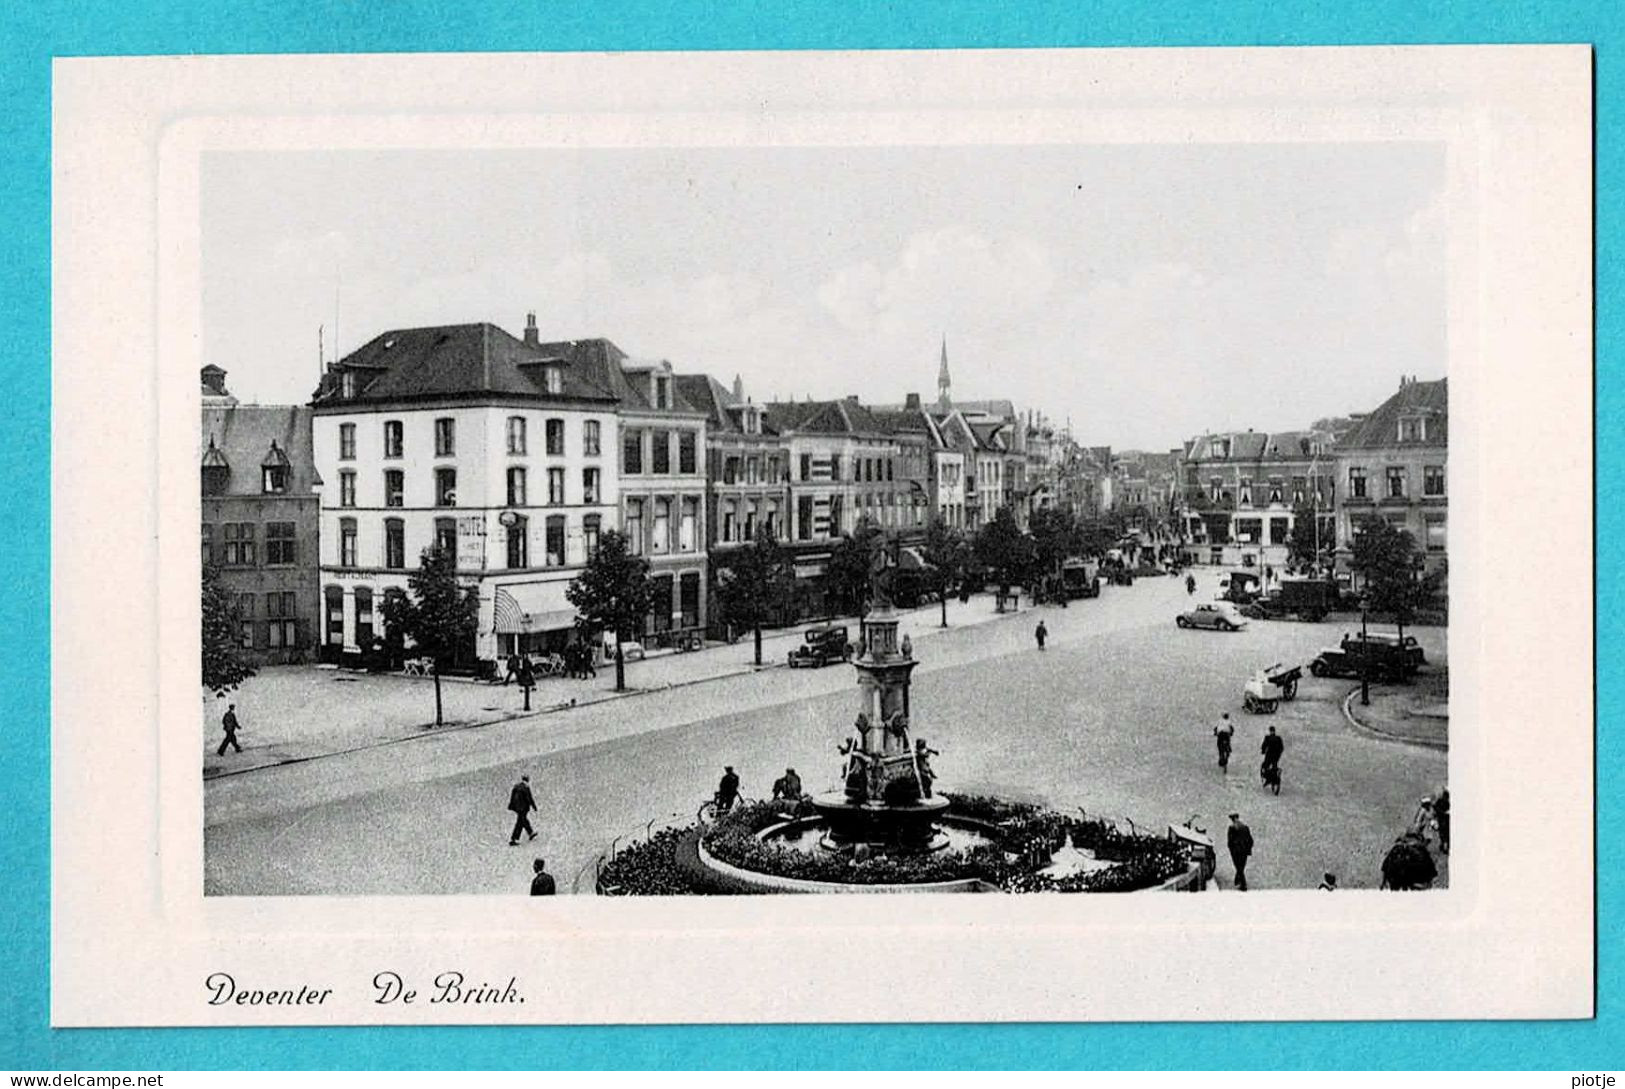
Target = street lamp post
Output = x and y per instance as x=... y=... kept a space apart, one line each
x=1365 y=659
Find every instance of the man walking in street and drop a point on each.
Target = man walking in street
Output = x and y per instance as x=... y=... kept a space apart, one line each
x=542 y=883
x=1240 y=840
x=727 y=790
x=1041 y=633
x=229 y=724
x=1223 y=734
x=521 y=803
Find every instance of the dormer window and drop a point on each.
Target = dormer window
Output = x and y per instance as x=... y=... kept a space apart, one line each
x=1413 y=429
x=662 y=391
x=553 y=379
x=347 y=384
x=216 y=473
x=274 y=471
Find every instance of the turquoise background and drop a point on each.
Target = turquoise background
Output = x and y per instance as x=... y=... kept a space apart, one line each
x=88 y=27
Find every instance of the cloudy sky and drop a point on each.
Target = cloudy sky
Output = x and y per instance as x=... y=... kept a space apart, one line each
x=1148 y=292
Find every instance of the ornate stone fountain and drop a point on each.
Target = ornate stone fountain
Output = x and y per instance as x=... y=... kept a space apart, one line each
x=886 y=803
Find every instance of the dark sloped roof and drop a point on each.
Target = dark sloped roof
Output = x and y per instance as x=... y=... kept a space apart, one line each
x=242 y=436
x=1000 y=407
x=705 y=394
x=822 y=418
x=457 y=360
x=1381 y=428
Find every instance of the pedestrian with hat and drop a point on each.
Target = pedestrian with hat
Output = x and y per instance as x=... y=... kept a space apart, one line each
x=521 y=803
x=1239 y=838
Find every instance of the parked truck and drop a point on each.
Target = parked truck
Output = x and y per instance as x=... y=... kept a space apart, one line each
x=1300 y=598
x=1080 y=578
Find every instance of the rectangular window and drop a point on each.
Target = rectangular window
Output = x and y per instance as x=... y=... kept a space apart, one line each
x=752 y=471
x=687 y=461
x=589 y=486
x=394 y=488
x=516 y=487
x=590 y=438
x=686 y=530
x=245 y=620
x=660 y=452
x=516 y=434
x=394 y=439
x=1396 y=482
x=555 y=487
x=632 y=451
x=1357 y=483
x=445 y=437
x=335 y=616
x=750 y=521
x=273 y=479
x=346 y=488
x=729 y=518
x=239 y=547
x=363 y=617
x=1433 y=480
x=662 y=526
x=1436 y=534
x=445 y=487
x=555 y=438
x=347 y=553
x=394 y=544
x=688 y=596
x=1412 y=429
x=346 y=441
x=445 y=535
x=1278 y=531
x=773 y=468
x=634 y=526
x=662 y=392
x=804 y=517
x=730 y=470
x=770 y=523
x=806 y=466
x=208 y=544
x=279 y=543
x=555 y=540
x=553 y=379
x=589 y=534
x=519 y=544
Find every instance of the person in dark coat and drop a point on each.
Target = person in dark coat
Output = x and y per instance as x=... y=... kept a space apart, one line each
x=1272 y=748
x=513 y=669
x=229 y=724
x=727 y=789
x=1040 y=633
x=542 y=883
x=1240 y=840
x=521 y=803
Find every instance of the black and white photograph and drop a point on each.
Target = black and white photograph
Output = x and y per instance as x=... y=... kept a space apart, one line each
x=993 y=519
x=649 y=484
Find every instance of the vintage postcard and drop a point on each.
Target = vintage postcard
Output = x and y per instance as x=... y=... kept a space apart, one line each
x=669 y=521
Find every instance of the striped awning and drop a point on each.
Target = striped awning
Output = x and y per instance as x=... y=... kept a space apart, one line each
x=532 y=607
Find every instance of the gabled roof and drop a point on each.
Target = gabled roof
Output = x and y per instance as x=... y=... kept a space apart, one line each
x=457 y=361
x=843 y=417
x=240 y=438
x=705 y=394
x=1003 y=408
x=605 y=364
x=1381 y=428
x=987 y=434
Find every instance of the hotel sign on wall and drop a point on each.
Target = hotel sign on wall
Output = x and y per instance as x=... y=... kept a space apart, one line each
x=471 y=543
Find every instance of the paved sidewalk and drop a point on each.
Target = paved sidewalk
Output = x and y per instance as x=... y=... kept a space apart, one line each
x=295 y=713
x=1418 y=713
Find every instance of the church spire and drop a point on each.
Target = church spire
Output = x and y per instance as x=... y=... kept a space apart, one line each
x=943 y=382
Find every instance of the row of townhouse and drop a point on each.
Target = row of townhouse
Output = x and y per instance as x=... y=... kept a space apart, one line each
x=515 y=455
x=1243 y=492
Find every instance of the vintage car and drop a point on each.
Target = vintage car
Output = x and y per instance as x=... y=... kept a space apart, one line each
x=1378 y=662
x=820 y=646
x=1391 y=641
x=1220 y=615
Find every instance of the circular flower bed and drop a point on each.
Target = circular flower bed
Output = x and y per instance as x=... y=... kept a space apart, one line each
x=1027 y=837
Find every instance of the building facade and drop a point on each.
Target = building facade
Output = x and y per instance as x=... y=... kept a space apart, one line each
x=467 y=439
x=662 y=477
x=260 y=520
x=1393 y=464
x=1243 y=491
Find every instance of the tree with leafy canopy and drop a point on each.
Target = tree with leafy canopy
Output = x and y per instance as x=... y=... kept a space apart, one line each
x=852 y=565
x=1055 y=537
x=948 y=553
x=223 y=669
x=440 y=616
x=754 y=586
x=1387 y=560
x=1301 y=542
x=613 y=593
x=1005 y=550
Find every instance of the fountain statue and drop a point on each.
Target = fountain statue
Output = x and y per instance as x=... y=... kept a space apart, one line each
x=886 y=802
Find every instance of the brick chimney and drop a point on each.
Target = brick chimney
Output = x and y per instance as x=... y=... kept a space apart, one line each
x=533 y=339
x=214 y=378
x=911 y=403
